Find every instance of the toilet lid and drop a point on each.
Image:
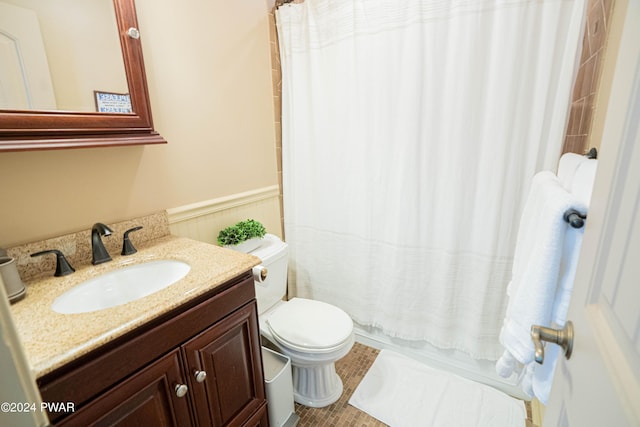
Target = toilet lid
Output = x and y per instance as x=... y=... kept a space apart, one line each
x=310 y=324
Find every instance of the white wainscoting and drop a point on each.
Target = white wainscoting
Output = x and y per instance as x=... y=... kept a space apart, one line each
x=203 y=221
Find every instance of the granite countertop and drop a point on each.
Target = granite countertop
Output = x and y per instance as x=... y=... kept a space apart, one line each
x=51 y=339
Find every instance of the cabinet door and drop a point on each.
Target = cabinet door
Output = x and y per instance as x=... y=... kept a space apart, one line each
x=229 y=353
x=148 y=398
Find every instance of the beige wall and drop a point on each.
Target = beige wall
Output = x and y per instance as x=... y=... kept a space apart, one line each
x=209 y=74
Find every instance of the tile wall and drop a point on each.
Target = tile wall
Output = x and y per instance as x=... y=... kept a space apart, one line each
x=276 y=74
x=577 y=139
x=277 y=101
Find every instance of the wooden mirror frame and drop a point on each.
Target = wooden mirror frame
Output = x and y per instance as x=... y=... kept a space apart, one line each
x=22 y=130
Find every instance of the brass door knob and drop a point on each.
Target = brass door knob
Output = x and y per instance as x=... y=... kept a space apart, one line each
x=563 y=337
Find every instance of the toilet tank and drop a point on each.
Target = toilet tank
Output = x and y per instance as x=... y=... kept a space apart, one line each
x=274 y=255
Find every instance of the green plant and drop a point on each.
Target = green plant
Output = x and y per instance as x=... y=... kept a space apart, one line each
x=231 y=236
x=253 y=228
x=240 y=232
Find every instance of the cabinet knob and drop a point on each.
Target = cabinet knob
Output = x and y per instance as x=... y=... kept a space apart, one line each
x=181 y=390
x=200 y=376
x=133 y=33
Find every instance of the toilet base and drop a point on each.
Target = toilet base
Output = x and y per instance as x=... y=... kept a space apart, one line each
x=316 y=386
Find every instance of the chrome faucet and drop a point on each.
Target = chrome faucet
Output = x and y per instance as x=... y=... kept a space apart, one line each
x=98 y=251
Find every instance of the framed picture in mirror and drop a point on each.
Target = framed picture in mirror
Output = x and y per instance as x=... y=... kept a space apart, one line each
x=111 y=102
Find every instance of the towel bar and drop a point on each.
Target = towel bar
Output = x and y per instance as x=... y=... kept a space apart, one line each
x=574 y=218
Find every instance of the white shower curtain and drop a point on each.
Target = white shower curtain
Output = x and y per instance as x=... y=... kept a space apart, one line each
x=411 y=130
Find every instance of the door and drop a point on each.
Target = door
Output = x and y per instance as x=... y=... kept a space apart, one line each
x=600 y=385
x=25 y=81
x=17 y=383
x=231 y=391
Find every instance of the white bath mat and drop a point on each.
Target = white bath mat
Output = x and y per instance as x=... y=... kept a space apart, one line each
x=402 y=392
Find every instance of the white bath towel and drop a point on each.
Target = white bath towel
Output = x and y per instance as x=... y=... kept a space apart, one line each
x=538 y=379
x=567 y=167
x=569 y=262
x=582 y=184
x=536 y=270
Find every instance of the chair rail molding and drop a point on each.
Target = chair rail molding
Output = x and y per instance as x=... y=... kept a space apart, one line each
x=208 y=207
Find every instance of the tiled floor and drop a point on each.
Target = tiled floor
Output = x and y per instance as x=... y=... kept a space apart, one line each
x=351 y=369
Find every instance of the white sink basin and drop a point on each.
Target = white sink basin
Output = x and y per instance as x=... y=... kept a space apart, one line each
x=120 y=286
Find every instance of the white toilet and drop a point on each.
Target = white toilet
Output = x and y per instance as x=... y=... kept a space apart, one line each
x=313 y=334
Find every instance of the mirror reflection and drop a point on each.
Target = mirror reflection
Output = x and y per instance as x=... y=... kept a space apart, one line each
x=61 y=55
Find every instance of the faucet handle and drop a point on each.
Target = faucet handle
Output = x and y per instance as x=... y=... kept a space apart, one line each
x=127 y=246
x=62 y=265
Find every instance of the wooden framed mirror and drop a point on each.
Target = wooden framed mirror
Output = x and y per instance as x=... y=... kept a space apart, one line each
x=24 y=129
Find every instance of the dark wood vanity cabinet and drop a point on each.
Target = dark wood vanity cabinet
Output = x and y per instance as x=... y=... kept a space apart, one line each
x=199 y=365
x=224 y=353
x=147 y=398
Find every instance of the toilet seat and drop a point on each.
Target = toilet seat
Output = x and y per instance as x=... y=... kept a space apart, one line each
x=310 y=326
